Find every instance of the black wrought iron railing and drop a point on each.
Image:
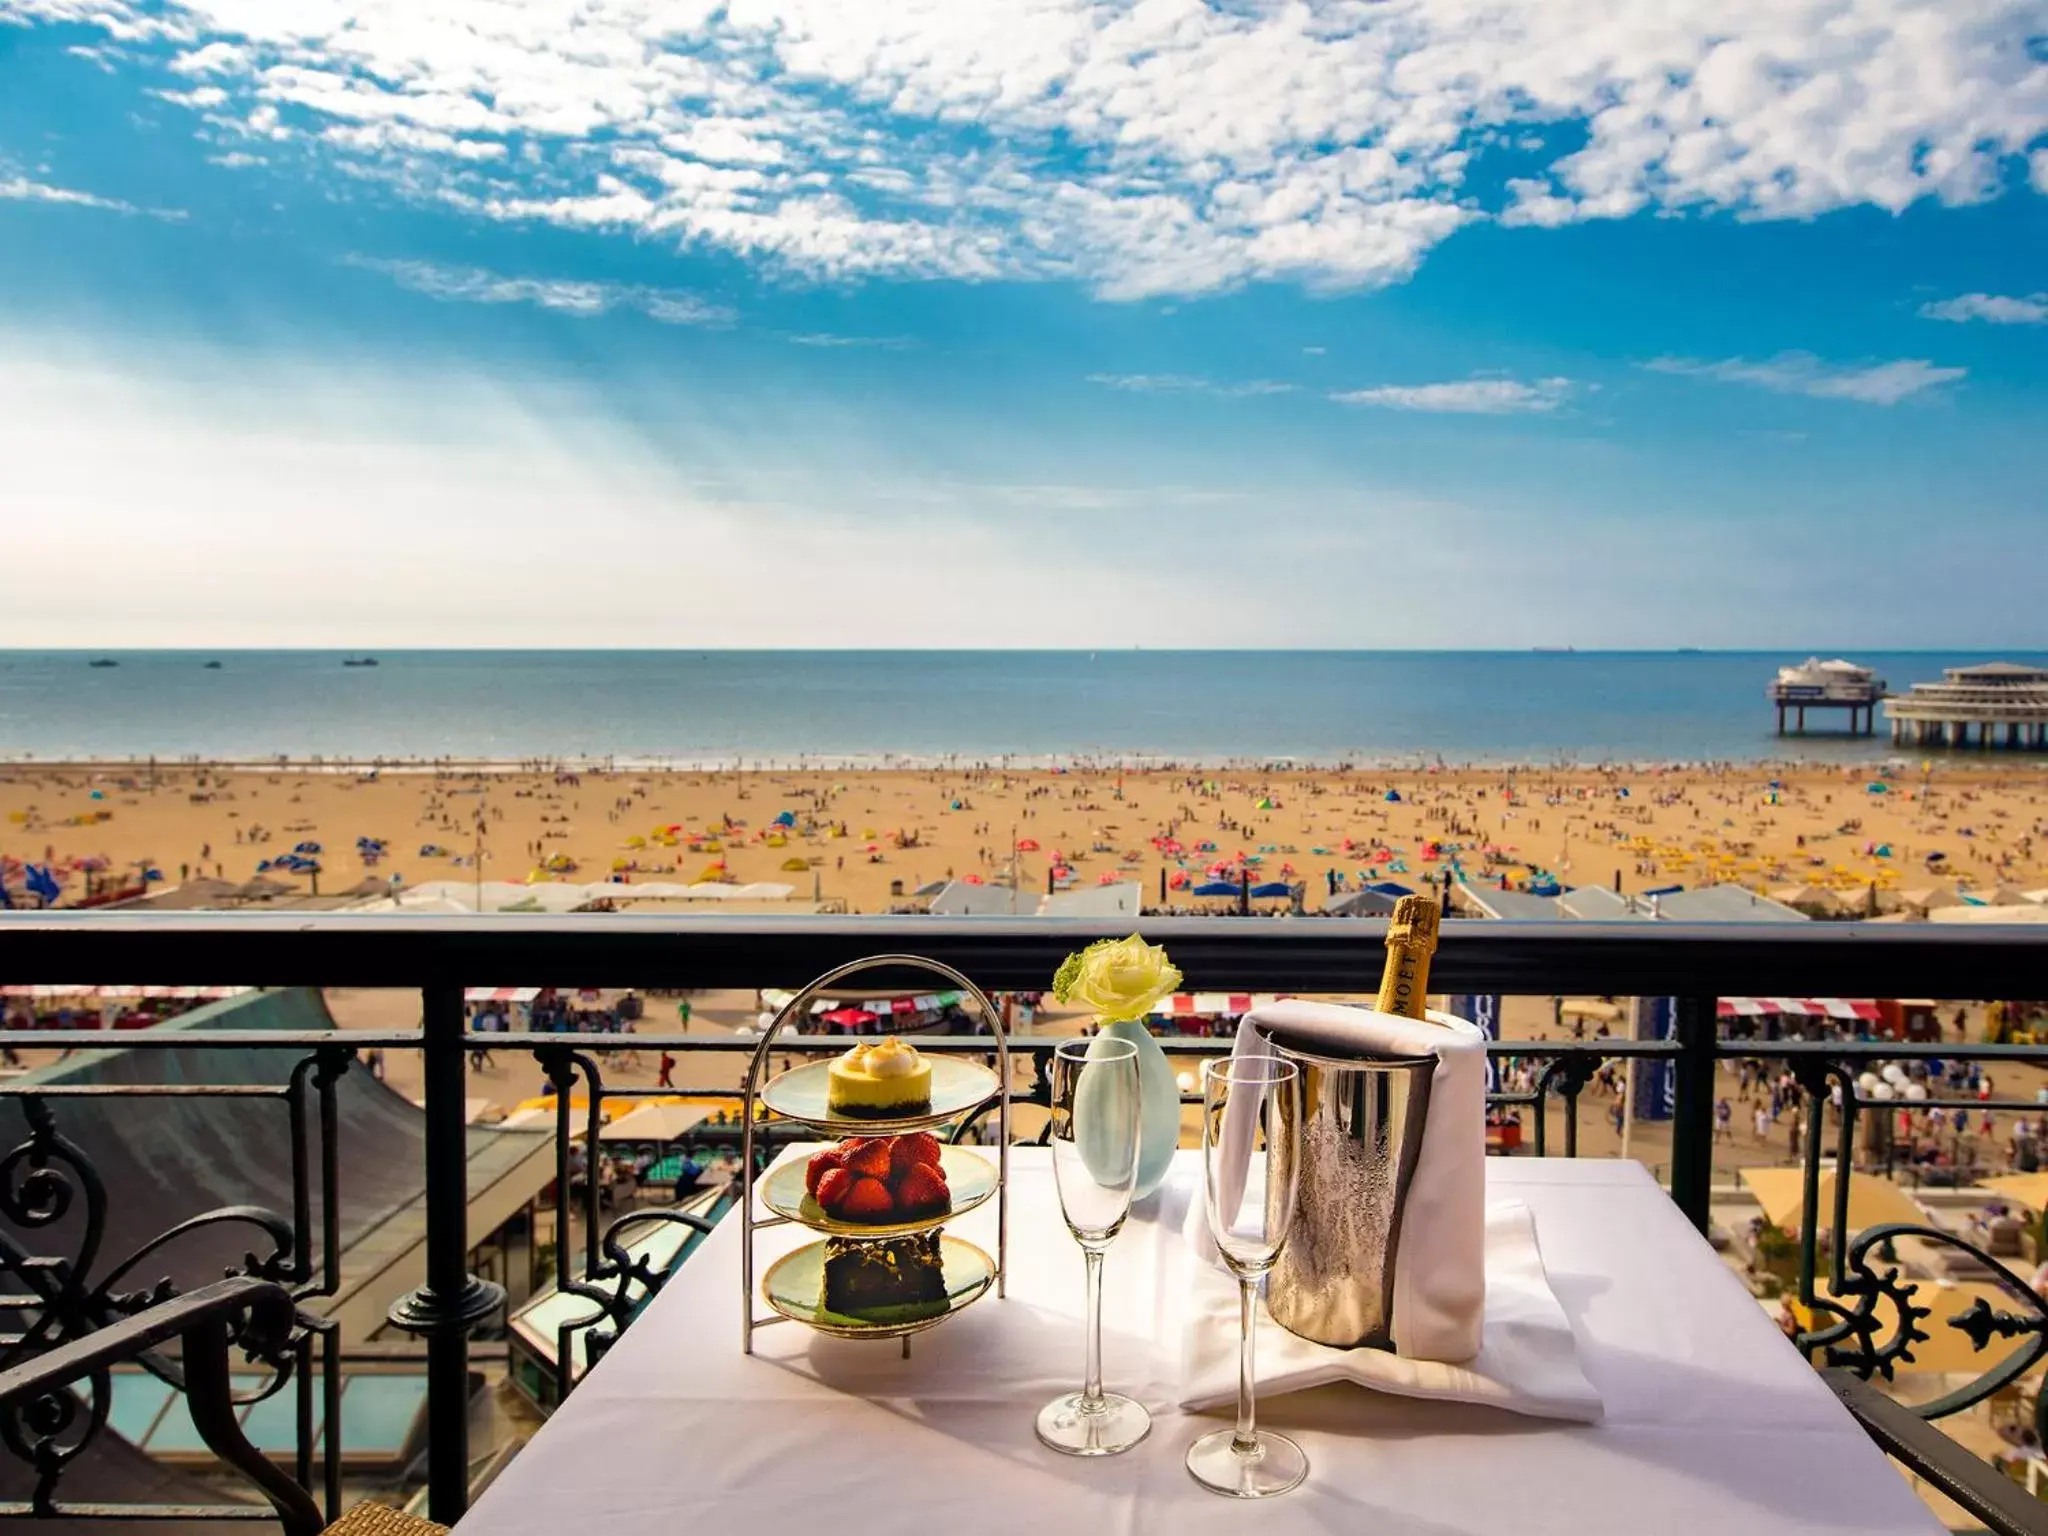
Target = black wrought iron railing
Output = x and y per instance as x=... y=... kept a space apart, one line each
x=1864 y=1320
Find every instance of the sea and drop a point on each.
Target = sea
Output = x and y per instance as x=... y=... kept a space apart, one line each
x=882 y=708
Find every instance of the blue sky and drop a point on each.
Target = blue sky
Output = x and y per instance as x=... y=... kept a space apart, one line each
x=826 y=322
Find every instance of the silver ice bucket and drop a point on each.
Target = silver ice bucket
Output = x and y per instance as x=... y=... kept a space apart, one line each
x=1362 y=1120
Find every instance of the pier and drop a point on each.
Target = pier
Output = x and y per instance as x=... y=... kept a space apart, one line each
x=1827 y=685
x=2004 y=703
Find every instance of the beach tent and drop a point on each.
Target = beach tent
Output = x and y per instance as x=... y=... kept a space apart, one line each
x=655 y=1122
x=1872 y=1201
x=1924 y=898
x=2029 y=1189
x=1369 y=902
x=1813 y=900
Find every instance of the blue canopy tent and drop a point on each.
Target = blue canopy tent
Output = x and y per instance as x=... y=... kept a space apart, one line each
x=1272 y=888
x=1215 y=888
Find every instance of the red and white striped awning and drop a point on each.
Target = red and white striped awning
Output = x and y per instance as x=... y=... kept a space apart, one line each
x=1800 y=1007
x=1228 y=1005
x=500 y=994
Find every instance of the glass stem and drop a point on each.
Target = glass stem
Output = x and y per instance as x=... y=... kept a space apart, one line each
x=1091 y=1386
x=1247 y=1437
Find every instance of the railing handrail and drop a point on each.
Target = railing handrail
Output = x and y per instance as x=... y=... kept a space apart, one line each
x=1618 y=1046
x=1308 y=954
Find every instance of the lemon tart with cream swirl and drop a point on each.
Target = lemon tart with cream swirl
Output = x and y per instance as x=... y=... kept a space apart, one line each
x=884 y=1081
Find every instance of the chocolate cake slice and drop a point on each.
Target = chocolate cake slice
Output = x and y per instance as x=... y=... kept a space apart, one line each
x=889 y=1279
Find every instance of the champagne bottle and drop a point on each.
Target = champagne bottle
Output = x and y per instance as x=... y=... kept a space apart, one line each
x=1411 y=940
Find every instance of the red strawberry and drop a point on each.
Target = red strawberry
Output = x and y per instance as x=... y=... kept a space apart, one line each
x=923 y=1190
x=833 y=1189
x=821 y=1163
x=870 y=1158
x=920 y=1149
x=868 y=1200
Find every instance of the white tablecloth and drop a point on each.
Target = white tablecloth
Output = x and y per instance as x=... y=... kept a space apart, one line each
x=1713 y=1422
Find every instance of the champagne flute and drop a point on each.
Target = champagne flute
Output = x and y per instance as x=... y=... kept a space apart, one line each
x=1251 y=1109
x=1094 y=1135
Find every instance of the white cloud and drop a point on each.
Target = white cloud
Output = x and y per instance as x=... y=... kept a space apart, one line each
x=1187 y=384
x=22 y=190
x=474 y=285
x=1146 y=149
x=1801 y=373
x=1999 y=309
x=1467 y=397
x=827 y=339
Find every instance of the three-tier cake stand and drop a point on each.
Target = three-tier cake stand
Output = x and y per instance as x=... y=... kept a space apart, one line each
x=960 y=1088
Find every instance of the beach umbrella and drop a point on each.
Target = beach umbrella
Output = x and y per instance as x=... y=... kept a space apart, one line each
x=1024 y=844
x=306 y=848
x=849 y=1018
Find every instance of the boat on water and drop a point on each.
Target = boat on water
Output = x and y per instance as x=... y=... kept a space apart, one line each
x=359 y=661
x=1814 y=681
x=103 y=661
x=213 y=666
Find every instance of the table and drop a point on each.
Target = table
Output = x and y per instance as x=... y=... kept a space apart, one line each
x=1713 y=1422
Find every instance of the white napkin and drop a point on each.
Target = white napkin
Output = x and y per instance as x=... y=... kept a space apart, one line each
x=1439 y=1264
x=1527 y=1363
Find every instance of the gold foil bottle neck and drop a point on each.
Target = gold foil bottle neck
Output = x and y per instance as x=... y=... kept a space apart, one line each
x=1411 y=940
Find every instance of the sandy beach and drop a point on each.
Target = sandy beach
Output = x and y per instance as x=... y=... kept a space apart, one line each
x=862 y=840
